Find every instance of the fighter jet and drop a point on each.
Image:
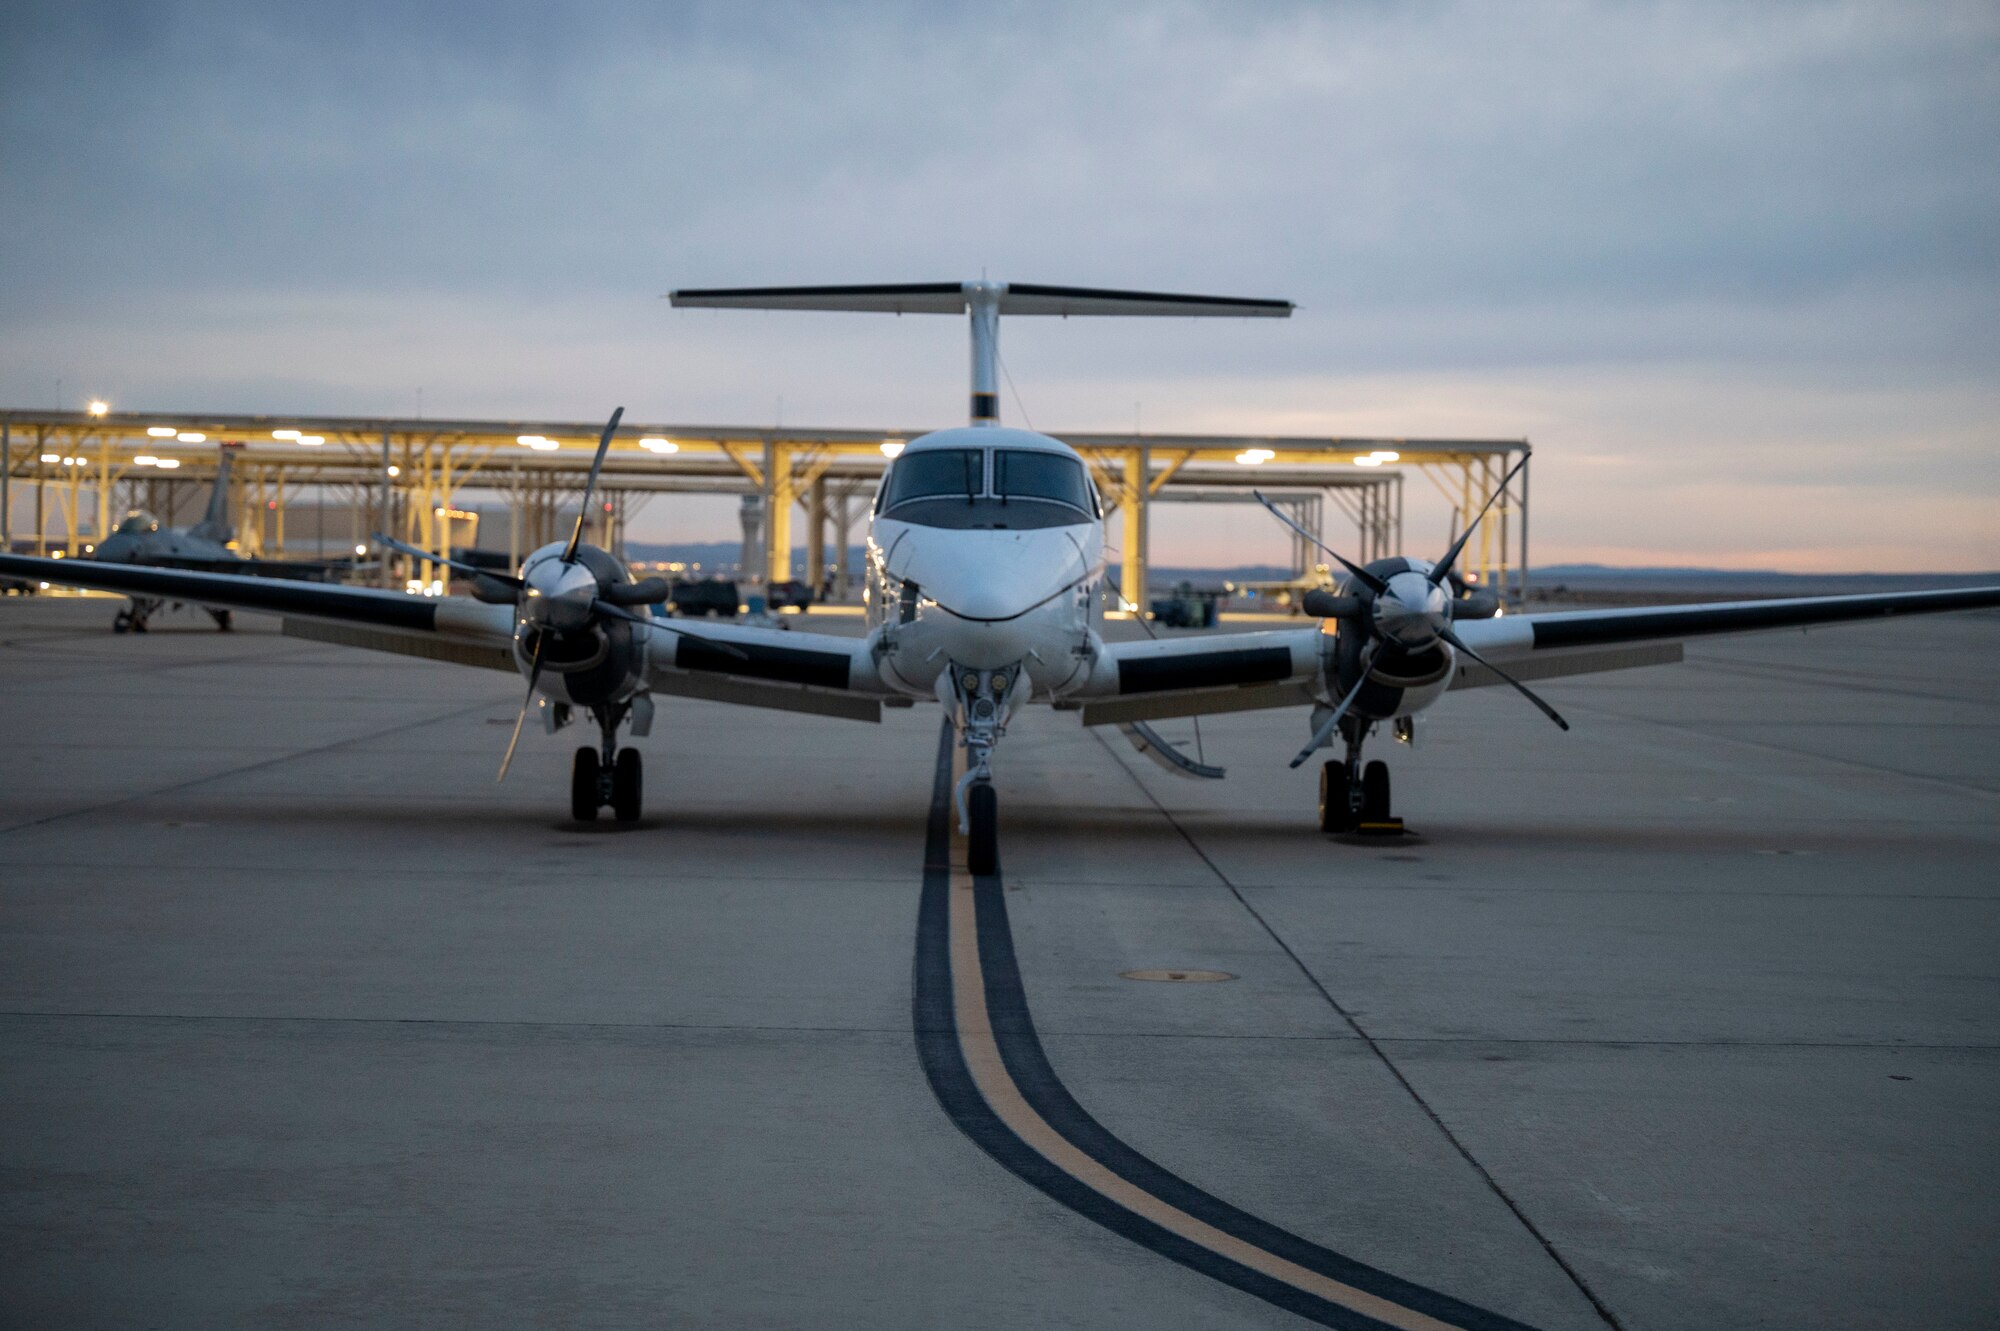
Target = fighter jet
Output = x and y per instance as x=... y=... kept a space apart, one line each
x=205 y=547
x=986 y=560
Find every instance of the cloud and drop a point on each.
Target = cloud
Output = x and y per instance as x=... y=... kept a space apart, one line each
x=271 y=208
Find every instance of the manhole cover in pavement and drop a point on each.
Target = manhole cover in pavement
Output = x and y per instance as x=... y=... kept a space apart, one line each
x=1184 y=977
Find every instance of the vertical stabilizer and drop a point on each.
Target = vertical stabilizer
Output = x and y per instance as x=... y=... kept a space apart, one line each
x=215 y=525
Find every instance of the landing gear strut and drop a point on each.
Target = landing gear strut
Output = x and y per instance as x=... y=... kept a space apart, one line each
x=607 y=776
x=1354 y=797
x=985 y=699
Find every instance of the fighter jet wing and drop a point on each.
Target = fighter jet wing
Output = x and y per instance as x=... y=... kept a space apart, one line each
x=1225 y=672
x=1575 y=642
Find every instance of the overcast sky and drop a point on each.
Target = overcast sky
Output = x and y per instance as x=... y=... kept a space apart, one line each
x=1734 y=269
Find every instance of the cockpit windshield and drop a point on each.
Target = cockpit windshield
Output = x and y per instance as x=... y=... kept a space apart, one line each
x=955 y=473
x=951 y=487
x=1020 y=473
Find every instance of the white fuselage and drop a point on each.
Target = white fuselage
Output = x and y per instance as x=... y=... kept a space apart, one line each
x=985 y=551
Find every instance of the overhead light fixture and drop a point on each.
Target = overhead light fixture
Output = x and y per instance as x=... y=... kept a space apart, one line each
x=1370 y=461
x=1386 y=455
x=657 y=445
x=192 y=437
x=892 y=448
x=161 y=431
x=312 y=440
x=1255 y=457
x=144 y=460
x=52 y=457
x=98 y=406
x=395 y=470
x=284 y=434
x=167 y=464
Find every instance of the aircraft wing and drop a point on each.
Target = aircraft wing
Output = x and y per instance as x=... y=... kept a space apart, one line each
x=823 y=673
x=1575 y=642
x=1225 y=672
x=443 y=628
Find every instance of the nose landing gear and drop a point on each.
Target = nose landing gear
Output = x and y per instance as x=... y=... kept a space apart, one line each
x=607 y=776
x=980 y=703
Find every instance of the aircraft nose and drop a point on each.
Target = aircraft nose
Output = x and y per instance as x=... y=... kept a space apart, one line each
x=1003 y=579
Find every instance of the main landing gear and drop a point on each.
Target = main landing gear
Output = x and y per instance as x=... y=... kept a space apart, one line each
x=1354 y=797
x=136 y=617
x=607 y=776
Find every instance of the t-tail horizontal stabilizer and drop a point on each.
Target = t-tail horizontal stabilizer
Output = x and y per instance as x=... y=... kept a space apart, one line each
x=985 y=302
x=959 y=297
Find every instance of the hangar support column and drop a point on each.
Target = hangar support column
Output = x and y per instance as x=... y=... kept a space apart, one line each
x=816 y=535
x=387 y=573
x=779 y=495
x=1132 y=577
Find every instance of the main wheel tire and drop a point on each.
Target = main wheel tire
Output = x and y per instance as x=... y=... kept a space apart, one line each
x=1335 y=813
x=122 y=622
x=1375 y=793
x=982 y=852
x=583 y=786
x=626 y=784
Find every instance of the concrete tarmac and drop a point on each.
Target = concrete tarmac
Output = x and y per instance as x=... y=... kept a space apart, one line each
x=1687 y=1018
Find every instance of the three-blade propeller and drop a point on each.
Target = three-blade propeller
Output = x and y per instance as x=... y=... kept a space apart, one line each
x=1373 y=603
x=547 y=609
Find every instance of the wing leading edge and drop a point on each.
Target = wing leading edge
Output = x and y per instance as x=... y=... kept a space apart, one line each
x=1575 y=642
x=820 y=673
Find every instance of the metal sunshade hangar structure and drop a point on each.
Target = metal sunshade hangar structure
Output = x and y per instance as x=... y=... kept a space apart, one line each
x=986 y=555
x=409 y=477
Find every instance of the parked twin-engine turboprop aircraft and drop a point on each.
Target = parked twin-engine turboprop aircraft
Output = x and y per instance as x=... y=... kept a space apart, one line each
x=985 y=552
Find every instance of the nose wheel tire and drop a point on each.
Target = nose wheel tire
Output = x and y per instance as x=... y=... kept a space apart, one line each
x=1375 y=793
x=1336 y=811
x=626 y=784
x=982 y=809
x=583 y=786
